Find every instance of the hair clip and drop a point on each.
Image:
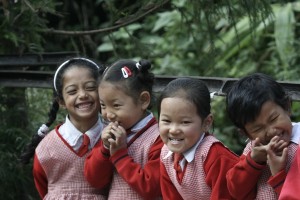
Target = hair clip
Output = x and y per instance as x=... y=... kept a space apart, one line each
x=126 y=72
x=212 y=94
x=138 y=65
x=43 y=130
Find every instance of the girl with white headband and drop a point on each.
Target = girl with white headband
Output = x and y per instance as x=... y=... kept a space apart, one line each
x=59 y=155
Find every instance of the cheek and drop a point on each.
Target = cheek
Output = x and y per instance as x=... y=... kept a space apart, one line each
x=162 y=130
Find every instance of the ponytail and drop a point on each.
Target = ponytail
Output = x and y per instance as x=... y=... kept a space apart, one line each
x=29 y=149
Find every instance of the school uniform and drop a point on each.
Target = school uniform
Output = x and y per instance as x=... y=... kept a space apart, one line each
x=132 y=173
x=250 y=180
x=59 y=163
x=205 y=166
x=291 y=186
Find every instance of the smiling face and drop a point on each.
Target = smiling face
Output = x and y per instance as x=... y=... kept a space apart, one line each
x=180 y=125
x=116 y=105
x=80 y=95
x=272 y=120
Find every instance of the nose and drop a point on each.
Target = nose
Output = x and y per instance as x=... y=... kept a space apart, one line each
x=110 y=116
x=271 y=132
x=83 y=94
x=174 y=129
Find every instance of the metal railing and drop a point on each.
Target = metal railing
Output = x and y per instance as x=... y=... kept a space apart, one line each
x=27 y=71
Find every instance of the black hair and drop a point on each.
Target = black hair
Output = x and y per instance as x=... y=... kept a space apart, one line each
x=191 y=89
x=132 y=77
x=94 y=69
x=246 y=97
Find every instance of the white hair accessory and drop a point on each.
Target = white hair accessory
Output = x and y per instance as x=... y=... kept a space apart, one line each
x=66 y=62
x=138 y=65
x=43 y=130
x=212 y=94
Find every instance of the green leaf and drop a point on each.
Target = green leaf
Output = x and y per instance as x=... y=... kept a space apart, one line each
x=105 y=47
x=284 y=32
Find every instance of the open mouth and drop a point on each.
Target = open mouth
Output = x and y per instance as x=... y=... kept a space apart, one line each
x=84 y=106
x=175 y=140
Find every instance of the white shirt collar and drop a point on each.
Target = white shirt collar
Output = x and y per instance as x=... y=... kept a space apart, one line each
x=189 y=155
x=141 y=124
x=75 y=138
x=295 y=137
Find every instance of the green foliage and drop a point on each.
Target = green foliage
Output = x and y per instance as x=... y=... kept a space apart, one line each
x=21 y=24
x=14 y=179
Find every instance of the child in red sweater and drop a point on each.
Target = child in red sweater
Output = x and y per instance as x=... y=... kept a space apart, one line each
x=127 y=158
x=193 y=162
x=260 y=108
x=60 y=154
x=291 y=185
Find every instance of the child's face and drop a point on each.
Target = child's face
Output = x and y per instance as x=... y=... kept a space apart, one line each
x=180 y=126
x=80 y=95
x=116 y=105
x=272 y=120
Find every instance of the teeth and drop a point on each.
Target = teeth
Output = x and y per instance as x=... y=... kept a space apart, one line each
x=84 y=106
x=175 y=141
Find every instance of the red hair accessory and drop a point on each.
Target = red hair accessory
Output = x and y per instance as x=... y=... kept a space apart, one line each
x=126 y=72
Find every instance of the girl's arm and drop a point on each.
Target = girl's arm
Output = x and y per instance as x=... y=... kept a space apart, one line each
x=40 y=178
x=98 y=169
x=217 y=163
x=144 y=180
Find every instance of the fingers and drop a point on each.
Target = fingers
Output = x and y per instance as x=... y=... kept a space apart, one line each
x=284 y=154
x=277 y=145
x=256 y=143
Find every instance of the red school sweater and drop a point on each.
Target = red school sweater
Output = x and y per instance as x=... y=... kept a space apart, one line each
x=204 y=177
x=248 y=180
x=132 y=172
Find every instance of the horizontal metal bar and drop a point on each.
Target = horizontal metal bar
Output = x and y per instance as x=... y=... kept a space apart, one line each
x=43 y=59
x=42 y=79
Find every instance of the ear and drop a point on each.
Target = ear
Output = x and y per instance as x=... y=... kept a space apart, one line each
x=208 y=121
x=61 y=103
x=145 y=99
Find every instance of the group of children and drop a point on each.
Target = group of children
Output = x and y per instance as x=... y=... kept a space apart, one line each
x=111 y=146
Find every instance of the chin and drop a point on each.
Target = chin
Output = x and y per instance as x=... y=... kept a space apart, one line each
x=175 y=150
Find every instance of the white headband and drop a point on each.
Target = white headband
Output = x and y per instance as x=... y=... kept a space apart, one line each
x=63 y=64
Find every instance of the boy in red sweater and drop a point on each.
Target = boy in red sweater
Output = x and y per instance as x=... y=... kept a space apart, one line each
x=260 y=108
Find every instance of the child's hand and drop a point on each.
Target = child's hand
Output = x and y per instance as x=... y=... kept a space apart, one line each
x=106 y=134
x=119 y=139
x=277 y=155
x=259 y=152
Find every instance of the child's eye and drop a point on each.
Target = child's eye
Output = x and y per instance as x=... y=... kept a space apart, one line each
x=165 y=120
x=274 y=119
x=257 y=130
x=91 y=88
x=117 y=105
x=186 y=122
x=102 y=105
x=71 y=92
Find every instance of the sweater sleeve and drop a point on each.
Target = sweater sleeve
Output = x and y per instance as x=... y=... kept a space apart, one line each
x=218 y=162
x=168 y=190
x=98 y=169
x=276 y=182
x=144 y=180
x=242 y=178
x=40 y=178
